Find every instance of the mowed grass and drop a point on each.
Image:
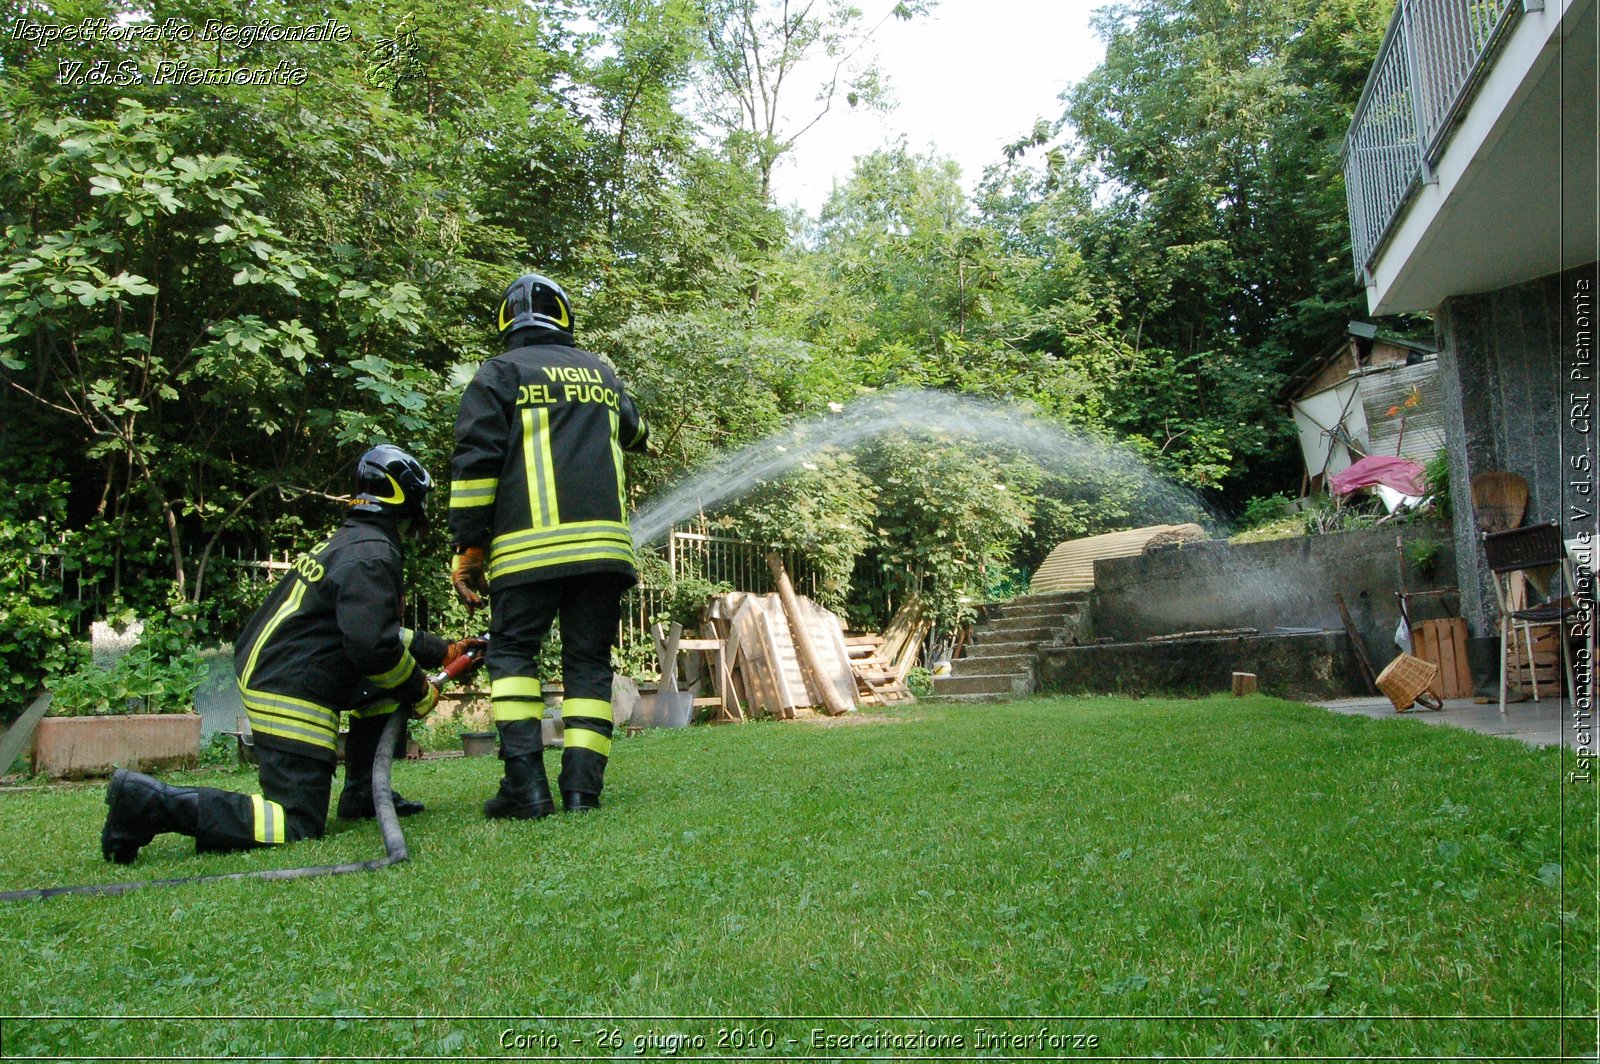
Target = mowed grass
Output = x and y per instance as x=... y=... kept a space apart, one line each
x=1215 y=877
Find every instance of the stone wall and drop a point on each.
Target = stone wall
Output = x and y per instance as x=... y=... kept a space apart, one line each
x=1287 y=583
x=1501 y=357
x=1309 y=667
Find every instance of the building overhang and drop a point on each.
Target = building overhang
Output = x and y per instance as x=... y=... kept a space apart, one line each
x=1511 y=197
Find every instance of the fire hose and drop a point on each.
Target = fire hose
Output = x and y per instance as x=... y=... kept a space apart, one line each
x=394 y=842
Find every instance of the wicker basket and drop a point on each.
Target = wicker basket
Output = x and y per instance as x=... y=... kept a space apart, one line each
x=1406 y=681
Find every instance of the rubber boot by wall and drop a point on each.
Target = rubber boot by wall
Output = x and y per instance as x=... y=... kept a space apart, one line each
x=1483 y=658
x=360 y=748
x=525 y=790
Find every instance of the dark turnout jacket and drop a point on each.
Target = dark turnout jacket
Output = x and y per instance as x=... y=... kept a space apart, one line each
x=329 y=638
x=537 y=475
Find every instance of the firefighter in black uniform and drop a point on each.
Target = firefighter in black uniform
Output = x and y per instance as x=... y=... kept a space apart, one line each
x=327 y=638
x=538 y=517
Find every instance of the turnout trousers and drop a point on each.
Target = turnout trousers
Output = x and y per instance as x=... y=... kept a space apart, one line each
x=293 y=803
x=589 y=607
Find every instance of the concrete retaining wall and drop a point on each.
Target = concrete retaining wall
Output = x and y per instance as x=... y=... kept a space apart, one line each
x=1282 y=584
x=1308 y=667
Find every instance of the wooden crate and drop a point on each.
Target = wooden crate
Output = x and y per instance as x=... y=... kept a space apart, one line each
x=1546 y=664
x=1444 y=643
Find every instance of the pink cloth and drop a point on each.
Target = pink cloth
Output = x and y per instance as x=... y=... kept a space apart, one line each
x=1401 y=474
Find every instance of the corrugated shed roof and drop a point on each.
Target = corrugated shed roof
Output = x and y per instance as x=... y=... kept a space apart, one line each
x=1070 y=567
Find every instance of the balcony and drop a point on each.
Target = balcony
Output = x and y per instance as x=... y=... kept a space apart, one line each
x=1458 y=156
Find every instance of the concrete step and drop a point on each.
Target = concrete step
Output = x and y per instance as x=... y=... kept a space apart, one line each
x=992 y=664
x=1051 y=599
x=1034 y=618
x=1018 y=633
x=1005 y=684
x=968 y=699
x=1025 y=608
x=1003 y=648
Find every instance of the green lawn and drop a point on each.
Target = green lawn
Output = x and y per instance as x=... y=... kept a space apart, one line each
x=1219 y=877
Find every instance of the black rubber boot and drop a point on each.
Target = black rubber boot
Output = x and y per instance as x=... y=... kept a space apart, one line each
x=578 y=802
x=142 y=808
x=360 y=747
x=525 y=791
x=583 y=774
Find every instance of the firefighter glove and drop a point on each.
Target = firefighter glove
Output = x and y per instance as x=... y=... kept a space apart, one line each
x=462 y=646
x=466 y=573
x=424 y=705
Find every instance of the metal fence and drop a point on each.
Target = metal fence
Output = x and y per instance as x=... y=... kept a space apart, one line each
x=689 y=554
x=1427 y=69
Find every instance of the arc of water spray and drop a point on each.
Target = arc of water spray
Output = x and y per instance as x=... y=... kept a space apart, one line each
x=915 y=412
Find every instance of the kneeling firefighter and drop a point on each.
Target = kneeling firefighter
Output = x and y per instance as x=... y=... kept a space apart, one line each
x=328 y=638
x=538 y=518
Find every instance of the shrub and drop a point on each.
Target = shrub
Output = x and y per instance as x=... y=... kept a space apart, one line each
x=159 y=675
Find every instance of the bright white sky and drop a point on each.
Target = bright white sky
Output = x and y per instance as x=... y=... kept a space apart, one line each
x=969 y=78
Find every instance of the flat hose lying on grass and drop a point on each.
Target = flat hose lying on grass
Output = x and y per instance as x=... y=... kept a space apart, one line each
x=394 y=843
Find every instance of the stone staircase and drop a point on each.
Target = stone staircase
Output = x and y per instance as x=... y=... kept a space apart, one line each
x=1001 y=660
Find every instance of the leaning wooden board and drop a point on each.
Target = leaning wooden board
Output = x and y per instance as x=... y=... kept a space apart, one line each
x=13 y=742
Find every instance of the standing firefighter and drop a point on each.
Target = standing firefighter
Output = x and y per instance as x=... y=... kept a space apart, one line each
x=538 y=516
x=328 y=638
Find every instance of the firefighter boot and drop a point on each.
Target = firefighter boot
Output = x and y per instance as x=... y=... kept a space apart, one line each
x=142 y=808
x=582 y=770
x=360 y=748
x=525 y=790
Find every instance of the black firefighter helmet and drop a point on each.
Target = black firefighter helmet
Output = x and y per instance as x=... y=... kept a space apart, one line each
x=390 y=481
x=534 y=300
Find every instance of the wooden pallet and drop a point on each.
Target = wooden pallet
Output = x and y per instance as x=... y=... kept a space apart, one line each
x=877 y=681
x=1545 y=666
x=1444 y=643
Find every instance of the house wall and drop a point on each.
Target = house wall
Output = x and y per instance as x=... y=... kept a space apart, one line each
x=1502 y=357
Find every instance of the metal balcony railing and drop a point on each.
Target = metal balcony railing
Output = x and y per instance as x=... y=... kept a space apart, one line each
x=1427 y=69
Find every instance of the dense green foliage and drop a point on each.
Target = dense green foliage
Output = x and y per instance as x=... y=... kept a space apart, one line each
x=213 y=295
x=1412 y=883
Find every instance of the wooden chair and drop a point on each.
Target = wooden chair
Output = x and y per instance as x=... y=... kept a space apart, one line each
x=1513 y=556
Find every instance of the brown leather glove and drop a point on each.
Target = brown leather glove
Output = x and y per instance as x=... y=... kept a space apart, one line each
x=460 y=647
x=467 y=576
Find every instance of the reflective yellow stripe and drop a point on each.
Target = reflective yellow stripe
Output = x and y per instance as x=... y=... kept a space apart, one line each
x=637 y=436
x=590 y=708
x=399 y=674
x=516 y=698
x=584 y=739
x=290 y=605
x=269 y=825
x=540 y=466
x=599 y=553
x=616 y=457
x=576 y=532
x=325 y=740
x=378 y=709
x=526 y=687
x=284 y=705
x=464 y=493
x=517 y=710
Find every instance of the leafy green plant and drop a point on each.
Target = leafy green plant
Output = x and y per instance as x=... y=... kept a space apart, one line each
x=35 y=624
x=1436 y=476
x=158 y=675
x=1422 y=556
x=1263 y=509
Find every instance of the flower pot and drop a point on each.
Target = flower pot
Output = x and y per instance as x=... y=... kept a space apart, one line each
x=71 y=747
x=478 y=743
